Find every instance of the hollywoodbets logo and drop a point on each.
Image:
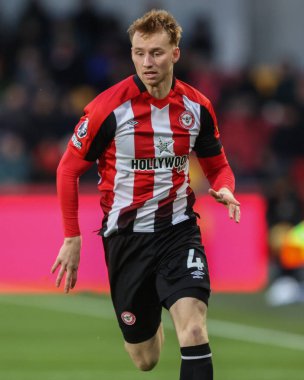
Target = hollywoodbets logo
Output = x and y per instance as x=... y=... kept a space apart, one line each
x=176 y=162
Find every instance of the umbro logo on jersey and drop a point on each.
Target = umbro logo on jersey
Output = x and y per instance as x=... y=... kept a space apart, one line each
x=132 y=123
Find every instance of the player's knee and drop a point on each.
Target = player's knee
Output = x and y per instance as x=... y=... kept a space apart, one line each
x=144 y=360
x=146 y=364
x=193 y=335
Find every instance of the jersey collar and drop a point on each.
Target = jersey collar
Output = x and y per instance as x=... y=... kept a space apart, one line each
x=142 y=87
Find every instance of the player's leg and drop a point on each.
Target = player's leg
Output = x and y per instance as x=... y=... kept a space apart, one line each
x=184 y=287
x=137 y=306
x=145 y=355
x=189 y=318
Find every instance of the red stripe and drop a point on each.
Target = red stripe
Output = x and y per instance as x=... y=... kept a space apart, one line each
x=144 y=148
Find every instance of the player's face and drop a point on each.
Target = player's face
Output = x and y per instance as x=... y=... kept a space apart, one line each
x=154 y=57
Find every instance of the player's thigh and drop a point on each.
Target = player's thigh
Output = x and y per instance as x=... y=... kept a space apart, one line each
x=132 y=284
x=183 y=268
x=189 y=316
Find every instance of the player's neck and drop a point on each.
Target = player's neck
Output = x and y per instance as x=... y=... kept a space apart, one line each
x=162 y=89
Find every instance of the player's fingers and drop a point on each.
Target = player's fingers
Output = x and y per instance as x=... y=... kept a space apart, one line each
x=55 y=266
x=74 y=279
x=68 y=281
x=60 y=275
x=234 y=201
x=71 y=278
x=231 y=210
x=230 y=200
x=234 y=213
x=237 y=215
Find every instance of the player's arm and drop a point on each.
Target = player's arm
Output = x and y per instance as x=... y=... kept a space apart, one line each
x=221 y=178
x=212 y=158
x=92 y=135
x=69 y=170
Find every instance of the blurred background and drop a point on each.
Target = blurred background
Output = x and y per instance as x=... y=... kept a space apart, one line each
x=246 y=56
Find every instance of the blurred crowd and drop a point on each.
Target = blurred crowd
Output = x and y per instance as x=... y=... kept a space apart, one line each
x=51 y=67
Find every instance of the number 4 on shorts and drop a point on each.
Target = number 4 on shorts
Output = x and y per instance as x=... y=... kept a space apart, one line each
x=194 y=263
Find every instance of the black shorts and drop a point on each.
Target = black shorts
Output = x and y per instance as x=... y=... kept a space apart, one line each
x=151 y=270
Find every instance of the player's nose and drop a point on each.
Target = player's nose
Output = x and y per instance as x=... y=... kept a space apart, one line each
x=147 y=62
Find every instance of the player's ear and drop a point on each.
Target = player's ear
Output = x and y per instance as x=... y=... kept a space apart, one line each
x=176 y=54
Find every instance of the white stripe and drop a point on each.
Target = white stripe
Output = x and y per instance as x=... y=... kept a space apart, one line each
x=180 y=203
x=196 y=357
x=195 y=108
x=160 y=121
x=258 y=335
x=124 y=141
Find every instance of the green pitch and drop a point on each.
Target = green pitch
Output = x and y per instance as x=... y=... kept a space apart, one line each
x=76 y=337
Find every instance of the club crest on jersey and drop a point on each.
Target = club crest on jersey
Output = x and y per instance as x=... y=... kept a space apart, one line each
x=186 y=119
x=128 y=318
x=82 y=130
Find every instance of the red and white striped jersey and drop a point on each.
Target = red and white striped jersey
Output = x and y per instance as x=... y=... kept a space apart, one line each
x=142 y=145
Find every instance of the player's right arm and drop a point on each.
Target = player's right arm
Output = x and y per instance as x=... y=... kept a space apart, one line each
x=69 y=170
x=212 y=158
x=92 y=135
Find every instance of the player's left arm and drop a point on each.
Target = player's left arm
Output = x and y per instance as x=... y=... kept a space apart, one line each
x=221 y=178
x=212 y=158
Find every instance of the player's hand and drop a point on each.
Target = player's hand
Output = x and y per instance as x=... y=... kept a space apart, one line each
x=226 y=197
x=68 y=260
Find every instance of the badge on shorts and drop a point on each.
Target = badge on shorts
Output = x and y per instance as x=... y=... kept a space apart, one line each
x=128 y=318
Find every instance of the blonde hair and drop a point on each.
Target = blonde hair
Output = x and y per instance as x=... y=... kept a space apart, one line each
x=154 y=21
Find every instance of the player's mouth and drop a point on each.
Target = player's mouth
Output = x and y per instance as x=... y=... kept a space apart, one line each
x=150 y=74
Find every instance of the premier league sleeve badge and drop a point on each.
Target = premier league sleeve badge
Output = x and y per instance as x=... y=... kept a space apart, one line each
x=82 y=130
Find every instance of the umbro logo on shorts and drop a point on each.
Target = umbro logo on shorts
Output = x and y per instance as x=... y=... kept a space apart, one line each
x=197 y=274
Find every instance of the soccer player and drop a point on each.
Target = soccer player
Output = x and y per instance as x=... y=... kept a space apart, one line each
x=140 y=133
